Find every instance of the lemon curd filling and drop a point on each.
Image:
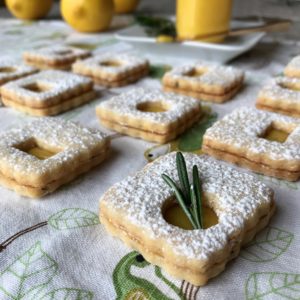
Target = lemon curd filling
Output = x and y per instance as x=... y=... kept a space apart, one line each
x=276 y=135
x=174 y=215
x=34 y=148
x=110 y=63
x=40 y=153
x=157 y=106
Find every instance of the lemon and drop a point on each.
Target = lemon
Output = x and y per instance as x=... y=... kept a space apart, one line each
x=164 y=39
x=29 y=9
x=125 y=6
x=88 y=16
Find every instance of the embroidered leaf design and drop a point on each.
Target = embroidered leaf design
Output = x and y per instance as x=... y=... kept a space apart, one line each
x=73 y=218
x=31 y=271
x=68 y=293
x=159 y=70
x=191 y=140
x=270 y=285
x=267 y=245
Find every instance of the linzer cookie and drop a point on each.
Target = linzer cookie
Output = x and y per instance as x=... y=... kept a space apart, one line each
x=293 y=67
x=47 y=93
x=281 y=95
x=264 y=142
x=135 y=210
x=43 y=155
x=151 y=115
x=54 y=57
x=113 y=70
x=204 y=81
x=11 y=70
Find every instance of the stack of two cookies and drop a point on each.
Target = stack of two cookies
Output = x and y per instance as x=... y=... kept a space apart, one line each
x=282 y=94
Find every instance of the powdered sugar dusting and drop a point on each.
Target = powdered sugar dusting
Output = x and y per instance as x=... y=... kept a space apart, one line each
x=294 y=63
x=57 y=53
x=10 y=69
x=56 y=84
x=282 y=92
x=75 y=143
x=236 y=198
x=242 y=130
x=126 y=105
x=224 y=76
x=125 y=63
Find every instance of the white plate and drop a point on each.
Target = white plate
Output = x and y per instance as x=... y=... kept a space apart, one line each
x=222 y=52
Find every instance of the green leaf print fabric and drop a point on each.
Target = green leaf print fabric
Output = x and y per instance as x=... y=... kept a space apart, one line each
x=55 y=248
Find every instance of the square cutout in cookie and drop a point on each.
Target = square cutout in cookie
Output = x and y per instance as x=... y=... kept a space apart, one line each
x=238 y=138
x=41 y=156
x=11 y=70
x=54 y=57
x=281 y=95
x=132 y=210
x=37 y=87
x=48 y=92
x=112 y=70
x=204 y=81
x=149 y=114
x=275 y=135
x=37 y=149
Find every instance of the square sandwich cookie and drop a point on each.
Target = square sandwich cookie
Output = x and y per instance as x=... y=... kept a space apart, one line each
x=48 y=93
x=281 y=95
x=204 y=81
x=151 y=115
x=113 y=70
x=54 y=57
x=39 y=157
x=293 y=67
x=136 y=210
x=263 y=142
x=12 y=70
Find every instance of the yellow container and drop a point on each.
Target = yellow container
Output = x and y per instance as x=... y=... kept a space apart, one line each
x=197 y=19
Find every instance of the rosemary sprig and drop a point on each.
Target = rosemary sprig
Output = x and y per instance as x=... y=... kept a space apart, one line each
x=155 y=26
x=188 y=195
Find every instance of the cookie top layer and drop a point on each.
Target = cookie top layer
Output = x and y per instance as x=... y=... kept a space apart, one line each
x=109 y=64
x=46 y=86
x=238 y=199
x=241 y=131
x=293 y=67
x=125 y=107
x=73 y=144
x=281 y=92
x=55 y=54
x=209 y=74
x=10 y=70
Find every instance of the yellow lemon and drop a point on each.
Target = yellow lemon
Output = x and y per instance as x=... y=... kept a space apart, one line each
x=164 y=39
x=29 y=9
x=125 y=6
x=88 y=16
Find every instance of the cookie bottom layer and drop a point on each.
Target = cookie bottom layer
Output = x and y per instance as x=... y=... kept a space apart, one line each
x=149 y=135
x=254 y=166
x=217 y=98
x=51 y=110
x=131 y=78
x=44 y=66
x=132 y=236
x=279 y=110
x=35 y=192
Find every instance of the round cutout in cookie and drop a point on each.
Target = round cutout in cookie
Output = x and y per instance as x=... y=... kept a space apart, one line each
x=174 y=215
